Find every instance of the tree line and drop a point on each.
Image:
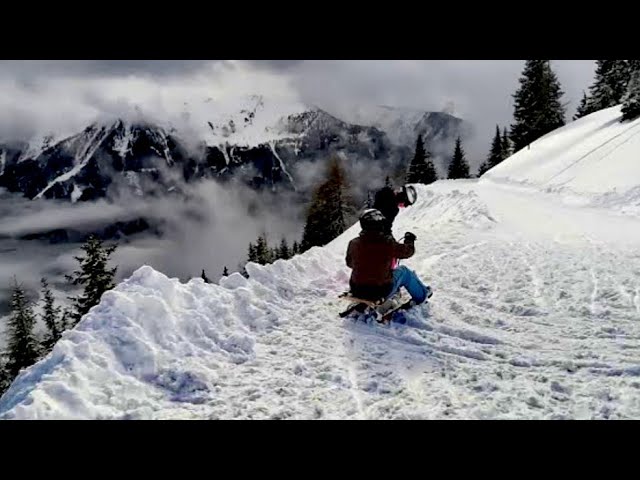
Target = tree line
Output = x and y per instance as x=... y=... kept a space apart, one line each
x=24 y=346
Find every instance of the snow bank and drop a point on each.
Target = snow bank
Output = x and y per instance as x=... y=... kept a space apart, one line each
x=151 y=340
x=592 y=160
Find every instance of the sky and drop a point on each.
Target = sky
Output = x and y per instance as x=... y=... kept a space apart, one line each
x=41 y=95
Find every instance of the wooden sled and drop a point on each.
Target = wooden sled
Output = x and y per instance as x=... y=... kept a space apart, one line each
x=382 y=309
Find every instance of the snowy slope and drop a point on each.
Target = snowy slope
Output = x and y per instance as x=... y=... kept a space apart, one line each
x=535 y=315
x=594 y=159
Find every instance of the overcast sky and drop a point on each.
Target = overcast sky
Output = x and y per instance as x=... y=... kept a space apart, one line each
x=37 y=95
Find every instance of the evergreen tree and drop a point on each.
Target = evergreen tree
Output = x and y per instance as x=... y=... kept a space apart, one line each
x=458 y=168
x=537 y=110
x=66 y=319
x=283 y=251
x=262 y=251
x=370 y=200
x=253 y=257
x=610 y=84
x=584 y=108
x=204 y=277
x=387 y=182
x=51 y=318
x=225 y=272
x=93 y=275
x=484 y=167
x=631 y=100
x=496 y=155
x=421 y=168
x=5 y=376
x=506 y=145
x=296 y=248
x=23 y=346
x=326 y=217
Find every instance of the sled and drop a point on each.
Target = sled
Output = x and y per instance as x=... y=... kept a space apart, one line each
x=382 y=309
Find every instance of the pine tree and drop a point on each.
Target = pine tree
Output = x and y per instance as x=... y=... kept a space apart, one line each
x=610 y=84
x=225 y=272
x=506 y=145
x=326 y=217
x=631 y=100
x=262 y=251
x=283 y=251
x=421 y=168
x=22 y=343
x=496 y=155
x=51 y=318
x=295 y=249
x=387 y=182
x=583 y=109
x=370 y=199
x=5 y=376
x=252 y=257
x=458 y=168
x=66 y=319
x=484 y=168
x=538 y=110
x=93 y=275
x=204 y=277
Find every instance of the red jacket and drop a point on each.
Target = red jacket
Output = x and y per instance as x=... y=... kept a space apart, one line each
x=371 y=256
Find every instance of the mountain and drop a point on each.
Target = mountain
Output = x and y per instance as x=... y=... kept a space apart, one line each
x=534 y=315
x=252 y=140
x=403 y=125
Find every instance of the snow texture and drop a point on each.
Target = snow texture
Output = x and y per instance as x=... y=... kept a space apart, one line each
x=535 y=314
x=593 y=160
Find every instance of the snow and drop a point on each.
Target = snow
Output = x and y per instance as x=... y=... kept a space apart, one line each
x=38 y=143
x=3 y=161
x=283 y=167
x=123 y=141
x=593 y=160
x=535 y=315
x=245 y=121
x=76 y=193
x=87 y=150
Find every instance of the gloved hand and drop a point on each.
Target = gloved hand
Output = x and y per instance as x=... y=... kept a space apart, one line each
x=409 y=237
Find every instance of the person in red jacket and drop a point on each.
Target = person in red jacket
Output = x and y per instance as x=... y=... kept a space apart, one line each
x=371 y=256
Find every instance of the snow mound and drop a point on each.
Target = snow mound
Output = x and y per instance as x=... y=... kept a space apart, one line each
x=593 y=160
x=151 y=339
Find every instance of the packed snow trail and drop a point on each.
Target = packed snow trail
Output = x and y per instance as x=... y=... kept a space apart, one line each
x=535 y=315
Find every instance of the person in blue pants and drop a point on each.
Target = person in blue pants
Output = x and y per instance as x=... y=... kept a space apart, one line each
x=372 y=255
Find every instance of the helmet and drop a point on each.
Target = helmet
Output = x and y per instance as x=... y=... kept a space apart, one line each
x=408 y=196
x=372 y=220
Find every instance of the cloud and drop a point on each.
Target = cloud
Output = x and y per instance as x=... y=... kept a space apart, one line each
x=209 y=228
x=42 y=95
x=30 y=70
x=480 y=91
